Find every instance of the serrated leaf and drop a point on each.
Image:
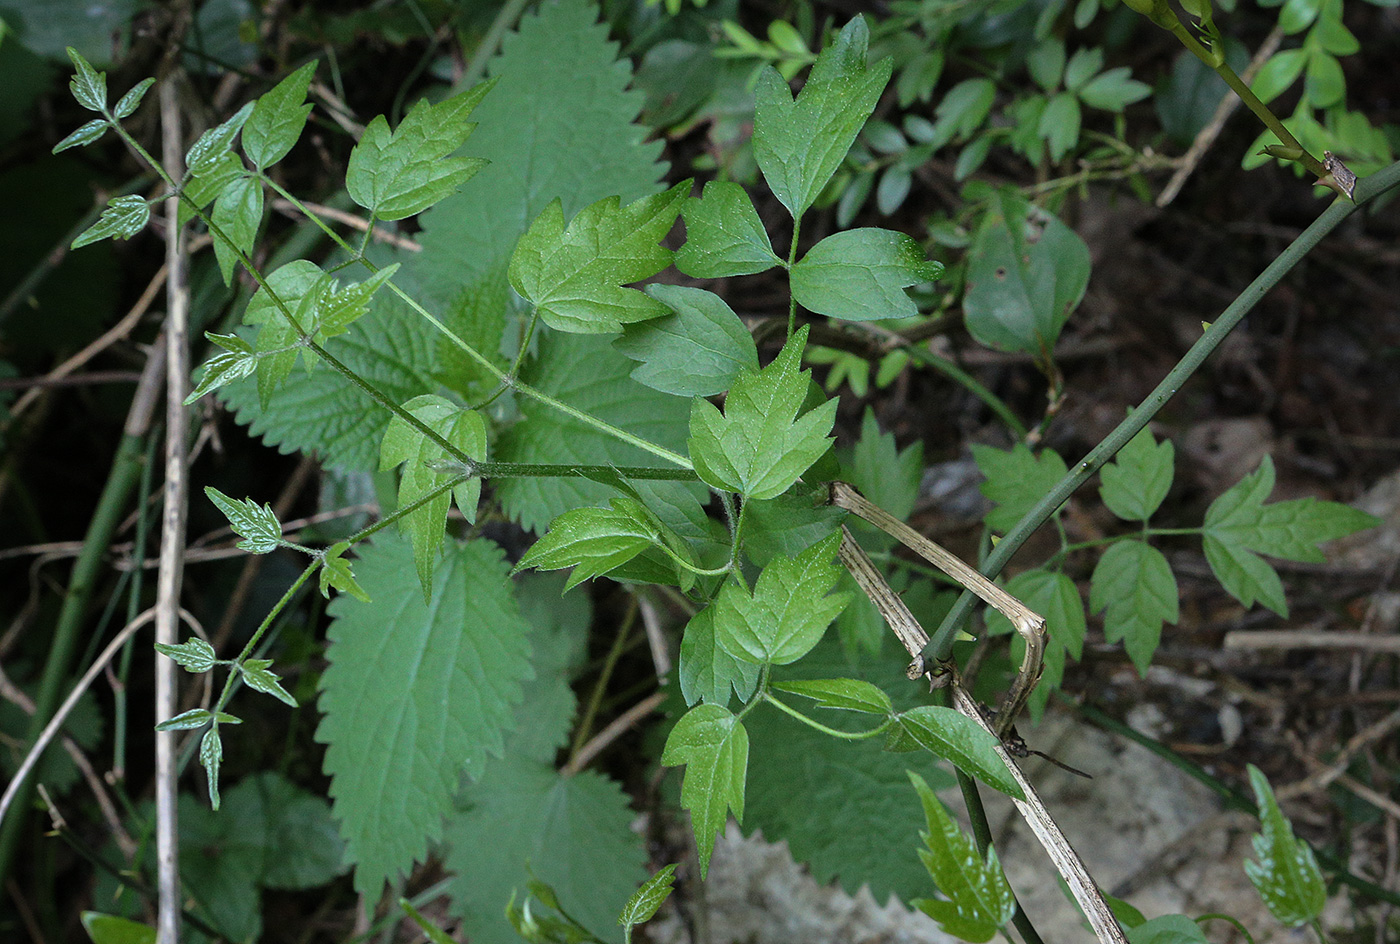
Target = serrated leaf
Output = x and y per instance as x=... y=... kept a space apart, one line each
x=211 y=758
x=760 y=447
x=422 y=459
x=278 y=119
x=205 y=186
x=708 y=672
x=842 y=693
x=84 y=135
x=212 y=146
x=1059 y=124
x=237 y=212
x=524 y=825
x=788 y=611
x=258 y=676
x=885 y=474
x=574 y=275
x=1134 y=587
x=979 y=898
x=1239 y=527
x=187 y=720
x=1026 y=272
x=124 y=217
x=1016 y=480
x=89 y=87
x=397 y=174
x=799 y=144
x=413 y=695
x=714 y=747
x=1134 y=484
x=1286 y=873
x=194 y=654
x=259 y=527
x=961 y=741
x=646 y=900
x=723 y=235
x=594 y=541
x=861 y=274
x=131 y=101
x=695 y=351
x=223 y=369
x=336 y=572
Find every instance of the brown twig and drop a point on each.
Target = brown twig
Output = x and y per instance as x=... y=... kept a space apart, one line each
x=615 y=729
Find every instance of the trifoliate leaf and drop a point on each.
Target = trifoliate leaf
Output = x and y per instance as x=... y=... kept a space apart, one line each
x=1016 y=480
x=423 y=472
x=278 y=119
x=799 y=144
x=759 y=447
x=861 y=274
x=843 y=693
x=124 y=217
x=1138 y=479
x=723 y=235
x=695 y=351
x=708 y=672
x=596 y=541
x=960 y=740
x=574 y=275
x=1134 y=587
x=194 y=654
x=788 y=611
x=714 y=747
x=336 y=572
x=415 y=694
x=646 y=900
x=1239 y=527
x=258 y=676
x=259 y=527
x=979 y=898
x=403 y=172
x=1286 y=873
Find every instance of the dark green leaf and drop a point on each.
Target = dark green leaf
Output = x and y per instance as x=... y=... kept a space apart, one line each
x=1133 y=586
x=211 y=758
x=861 y=274
x=194 y=654
x=1134 y=484
x=596 y=541
x=212 y=146
x=643 y=904
x=278 y=119
x=86 y=134
x=131 y=101
x=88 y=85
x=788 y=611
x=959 y=739
x=258 y=676
x=724 y=235
x=714 y=747
x=696 y=351
x=124 y=217
x=1016 y=480
x=1286 y=874
x=237 y=212
x=886 y=475
x=259 y=526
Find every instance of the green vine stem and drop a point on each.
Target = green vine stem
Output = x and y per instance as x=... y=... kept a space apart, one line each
x=1367 y=189
x=824 y=729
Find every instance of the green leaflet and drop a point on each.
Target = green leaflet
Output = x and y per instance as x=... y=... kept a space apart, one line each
x=259 y=527
x=238 y=212
x=723 y=235
x=957 y=738
x=415 y=694
x=799 y=144
x=707 y=671
x=1168 y=929
x=573 y=275
x=1239 y=527
x=861 y=274
x=1134 y=484
x=1016 y=480
x=278 y=119
x=1054 y=596
x=695 y=351
x=844 y=693
x=714 y=747
x=597 y=541
x=1286 y=873
x=760 y=447
x=1134 y=587
x=885 y=474
x=979 y=897
x=643 y=904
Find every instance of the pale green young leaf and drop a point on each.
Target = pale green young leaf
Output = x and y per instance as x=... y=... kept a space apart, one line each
x=1083 y=65
x=1016 y=480
x=861 y=274
x=337 y=308
x=1054 y=596
x=194 y=654
x=979 y=898
x=131 y=101
x=422 y=459
x=211 y=758
x=843 y=693
x=760 y=446
x=211 y=146
x=788 y=611
x=799 y=144
x=723 y=235
x=278 y=119
x=594 y=541
x=257 y=675
x=695 y=351
x=960 y=740
x=714 y=747
x=708 y=672
x=223 y=369
x=574 y=275
x=1239 y=527
x=237 y=212
x=84 y=135
x=397 y=174
x=1113 y=90
x=336 y=572
x=1134 y=484
x=124 y=217
x=187 y=720
x=259 y=527
x=1134 y=588
x=1059 y=124
x=1286 y=873
x=89 y=87
x=646 y=900
x=422 y=691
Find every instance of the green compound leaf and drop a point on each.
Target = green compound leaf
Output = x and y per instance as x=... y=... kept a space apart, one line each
x=523 y=825
x=194 y=655
x=1026 y=272
x=1054 y=596
x=259 y=527
x=1016 y=480
x=759 y=447
x=707 y=671
x=89 y=87
x=1113 y=90
x=83 y=136
x=643 y=905
x=257 y=676
x=124 y=217
x=886 y=475
x=861 y=274
x=238 y=212
x=723 y=235
x=1286 y=873
x=574 y=275
x=1239 y=527
x=843 y=694
x=596 y=541
x=403 y=172
x=1138 y=479
x=962 y=741
x=1134 y=587
x=799 y=144
x=278 y=119
x=425 y=692
x=714 y=747
x=424 y=471
x=979 y=898
x=696 y=351
x=788 y=611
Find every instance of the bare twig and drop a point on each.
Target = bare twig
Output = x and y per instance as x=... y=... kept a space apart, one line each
x=345 y=218
x=1309 y=639
x=615 y=729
